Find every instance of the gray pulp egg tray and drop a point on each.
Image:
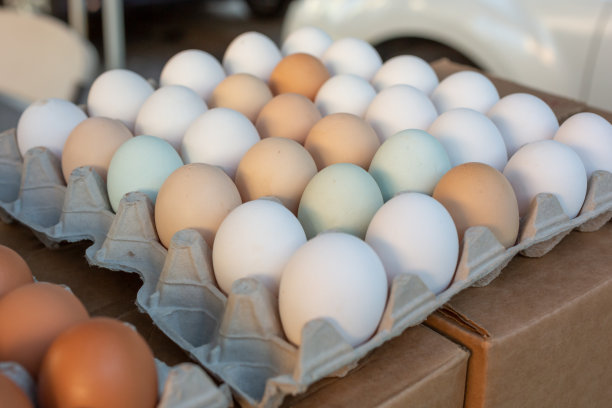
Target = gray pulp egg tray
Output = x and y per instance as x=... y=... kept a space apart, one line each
x=238 y=338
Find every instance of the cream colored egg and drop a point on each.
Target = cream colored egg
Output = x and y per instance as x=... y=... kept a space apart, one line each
x=242 y=92
x=288 y=115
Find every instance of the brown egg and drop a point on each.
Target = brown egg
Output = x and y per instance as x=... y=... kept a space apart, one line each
x=31 y=317
x=342 y=138
x=242 y=92
x=11 y=395
x=93 y=143
x=478 y=194
x=276 y=167
x=287 y=115
x=299 y=73
x=98 y=363
x=197 y=196
x=14 y=271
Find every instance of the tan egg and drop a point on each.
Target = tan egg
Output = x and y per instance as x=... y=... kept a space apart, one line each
x=197 y=196
x=276 y=167
x=478 y=194
x=14 y=271
x=31 y=317
x=98 y=363
x=342 y=138
x=93 y=143
x=287 y=115
x=242 y=92
x=299 y=73
x=11 y=395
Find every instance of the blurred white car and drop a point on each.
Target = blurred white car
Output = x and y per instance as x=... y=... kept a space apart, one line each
x=559 y=46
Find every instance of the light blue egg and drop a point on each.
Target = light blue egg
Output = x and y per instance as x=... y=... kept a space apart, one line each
x=410 y=160
x=141 y=164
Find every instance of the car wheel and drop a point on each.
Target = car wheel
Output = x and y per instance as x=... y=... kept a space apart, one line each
x=427 y=49
x=267 y=8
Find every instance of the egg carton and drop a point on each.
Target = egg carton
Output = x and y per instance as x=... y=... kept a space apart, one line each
x=238 y=338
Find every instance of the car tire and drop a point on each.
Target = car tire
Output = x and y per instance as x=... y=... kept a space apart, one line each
x=427 y=49
x=267 y=8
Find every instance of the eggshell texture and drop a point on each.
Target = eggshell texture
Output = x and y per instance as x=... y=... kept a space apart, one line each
x=98 y=363
x=478 y=194
x=93 y=143
x=277 y=167
x=168 y=112
x=251 y=53
x=311 y=40
x=195 y=69
x=47 y=123
x=287 y=115
x=197 y=196
x=470 y=136
x=548 y=166
x=410 y=160
x=341 y=197
x=334 y=276
x=590 y=135
x=220 y=136
x=242 y=92
x=346 y=93
x=523 y=118
x=141 y=164
x=342 y=138
x=352 y=55
x=465 y=89
x=31 y=317
x=298 y=73
x=413 y=233
x=12 y=396
x=14 y=271
x=265 y=234
x=409 y=70
x=118 y=94
x=400 y=107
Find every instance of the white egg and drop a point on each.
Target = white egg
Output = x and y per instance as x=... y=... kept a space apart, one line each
x=346 y=93
x=400 y=107
x=219 y=136
x=309 y=40
x=351 y=55
x=523 y=118
x=47 y=123
x=118 y=94
x=334 y=276
x=414 y=233
x=590 y=135
x=251 y=53
x=547 y=166
x=409 y=70
x=256 y=239
x=195 y=69
x=168 y=113
x=465 y=89
x=470 y=136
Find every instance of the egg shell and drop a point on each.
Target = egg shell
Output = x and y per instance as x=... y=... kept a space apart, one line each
x=352 y=55
x=93 y=143
x=141 y=164
x=338 y=277
x=14 y=271
x=118 y=94
x=265 y=234
x=251 y=53
x=406 y=69
x=341 y=197
x=413 y=233
x=342 y=138
x=346 y=93
x=410 y=160
x=476 y=194
x=100 y=362
x=287 y=115
x=220 y=136
x=298 y=73
x=47 y=123
x=31 y=317
x=465 y=89
x=277 y=167
x=548 y=166
x=308 y=39
x=197 y=196
x=11 y=395
x=242 y=92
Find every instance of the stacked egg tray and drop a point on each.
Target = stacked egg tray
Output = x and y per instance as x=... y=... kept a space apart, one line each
x=239 y=338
